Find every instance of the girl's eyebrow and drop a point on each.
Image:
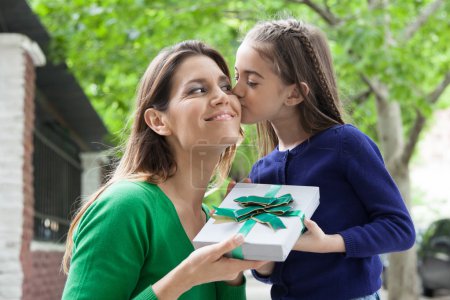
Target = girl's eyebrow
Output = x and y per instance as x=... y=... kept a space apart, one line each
x=251 y=72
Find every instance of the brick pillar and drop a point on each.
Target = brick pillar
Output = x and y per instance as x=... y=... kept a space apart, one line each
x=18 y=58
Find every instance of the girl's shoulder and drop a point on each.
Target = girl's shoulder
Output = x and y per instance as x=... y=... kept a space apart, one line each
x=345 y=130
x=350 y=134
x=334 y=136
x=353 y=141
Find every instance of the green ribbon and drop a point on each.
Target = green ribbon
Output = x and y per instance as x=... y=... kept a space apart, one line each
x=256 y=209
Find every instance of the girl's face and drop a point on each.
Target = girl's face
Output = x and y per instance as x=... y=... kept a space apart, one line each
x=202 y=108
x=260 y=90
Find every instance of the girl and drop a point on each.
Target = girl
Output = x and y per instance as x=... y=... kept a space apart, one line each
x=286 y=84
x=133 y=238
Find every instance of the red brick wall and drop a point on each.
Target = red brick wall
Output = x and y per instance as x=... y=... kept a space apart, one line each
x=28 y=208
x=47 y=280
x=42 y=278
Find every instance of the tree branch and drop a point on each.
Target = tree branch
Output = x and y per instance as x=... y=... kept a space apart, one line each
x=413 y=137
x=423 y=16
x=361 y=97
x=374 y=86
x=440 y=88
x=419 y=123
x=326 y=14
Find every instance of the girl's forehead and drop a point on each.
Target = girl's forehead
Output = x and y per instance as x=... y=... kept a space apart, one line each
x=249 y=59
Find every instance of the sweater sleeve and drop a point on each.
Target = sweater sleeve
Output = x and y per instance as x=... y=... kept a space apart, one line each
x=110 y=245
x=389 y=227
x=225 y=291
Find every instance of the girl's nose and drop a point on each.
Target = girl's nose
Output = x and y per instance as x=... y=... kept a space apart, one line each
x=237 y=90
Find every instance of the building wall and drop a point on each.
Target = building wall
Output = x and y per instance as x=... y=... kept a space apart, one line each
x=46 y=281
x=24 y=273
x=13 y=163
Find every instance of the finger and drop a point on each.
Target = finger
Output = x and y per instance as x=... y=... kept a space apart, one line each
x=226 y=246
x=246 y=180
x=311 y=225
x=231 y=185
x=242 y=265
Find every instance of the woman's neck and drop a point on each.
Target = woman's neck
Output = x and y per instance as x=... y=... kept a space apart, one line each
x=186 y=188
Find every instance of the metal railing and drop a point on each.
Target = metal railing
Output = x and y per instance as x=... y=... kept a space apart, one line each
x=57 y=186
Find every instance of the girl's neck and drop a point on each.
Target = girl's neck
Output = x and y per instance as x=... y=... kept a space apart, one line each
x=289 y=131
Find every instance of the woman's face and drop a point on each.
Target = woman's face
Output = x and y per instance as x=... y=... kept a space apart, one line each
x=260 y=91
x=202 y=108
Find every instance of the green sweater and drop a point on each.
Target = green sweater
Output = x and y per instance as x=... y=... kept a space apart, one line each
x=128 y=239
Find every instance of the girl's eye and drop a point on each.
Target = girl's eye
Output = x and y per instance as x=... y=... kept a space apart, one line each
x=251 y=84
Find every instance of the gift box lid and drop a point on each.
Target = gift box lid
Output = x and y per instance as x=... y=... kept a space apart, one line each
x=262 y=242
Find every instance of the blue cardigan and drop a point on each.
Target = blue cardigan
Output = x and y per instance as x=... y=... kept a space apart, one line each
x=358 y=200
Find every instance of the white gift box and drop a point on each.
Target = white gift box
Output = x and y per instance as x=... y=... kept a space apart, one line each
x=262 y=242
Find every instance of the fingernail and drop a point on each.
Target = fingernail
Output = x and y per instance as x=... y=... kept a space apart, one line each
x=239 y=238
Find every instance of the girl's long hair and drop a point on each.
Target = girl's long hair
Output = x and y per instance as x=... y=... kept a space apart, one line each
x=147 y=155
x=299 y=53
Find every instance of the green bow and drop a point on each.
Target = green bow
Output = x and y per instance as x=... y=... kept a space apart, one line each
x=264 y=210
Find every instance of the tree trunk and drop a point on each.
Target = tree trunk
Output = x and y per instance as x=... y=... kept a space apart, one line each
x=402 y=272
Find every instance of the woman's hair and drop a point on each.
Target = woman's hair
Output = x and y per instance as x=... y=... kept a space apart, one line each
x=299 y=53
x=147 y=155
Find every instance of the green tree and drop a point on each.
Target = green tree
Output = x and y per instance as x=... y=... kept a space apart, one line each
x=397 y=56
x=392 y=62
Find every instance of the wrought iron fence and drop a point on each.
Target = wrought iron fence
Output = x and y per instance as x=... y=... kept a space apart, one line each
x=57 y=184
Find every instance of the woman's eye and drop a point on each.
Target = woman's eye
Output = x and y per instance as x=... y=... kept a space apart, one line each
x=226 y=88
x=197 y=90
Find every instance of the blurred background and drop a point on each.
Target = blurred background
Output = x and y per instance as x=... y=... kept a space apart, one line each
x=68 y=76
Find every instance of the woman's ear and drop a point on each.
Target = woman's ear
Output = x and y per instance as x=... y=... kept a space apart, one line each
x=294 y=96
x=156 y=120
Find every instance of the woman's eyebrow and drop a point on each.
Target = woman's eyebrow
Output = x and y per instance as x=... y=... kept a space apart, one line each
x=204 y=80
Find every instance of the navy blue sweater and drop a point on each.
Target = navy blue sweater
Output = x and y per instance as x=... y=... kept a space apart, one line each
x=358 y=200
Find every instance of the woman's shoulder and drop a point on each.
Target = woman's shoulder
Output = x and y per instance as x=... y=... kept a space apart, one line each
x=129 y=195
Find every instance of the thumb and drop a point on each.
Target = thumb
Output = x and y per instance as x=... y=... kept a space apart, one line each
x=228 y=245
x=246 y=180
x=311 y=225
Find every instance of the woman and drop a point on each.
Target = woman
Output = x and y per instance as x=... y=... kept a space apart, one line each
x=133 y=238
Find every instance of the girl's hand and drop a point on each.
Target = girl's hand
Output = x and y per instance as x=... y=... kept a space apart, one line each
x=204 y=265
x=315 y=240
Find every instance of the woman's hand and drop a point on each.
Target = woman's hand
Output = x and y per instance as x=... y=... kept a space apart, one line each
x=315 y=240
x=204 y=265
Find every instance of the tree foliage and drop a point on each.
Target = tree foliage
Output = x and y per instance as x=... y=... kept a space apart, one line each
x=384 y=52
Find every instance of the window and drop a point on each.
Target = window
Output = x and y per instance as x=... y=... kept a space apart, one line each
x=57 y=181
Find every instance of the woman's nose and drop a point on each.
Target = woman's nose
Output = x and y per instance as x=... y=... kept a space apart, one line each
x=221 y=97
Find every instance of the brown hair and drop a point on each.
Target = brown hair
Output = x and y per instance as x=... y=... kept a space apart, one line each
x=146 y=154
x=299 y=53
